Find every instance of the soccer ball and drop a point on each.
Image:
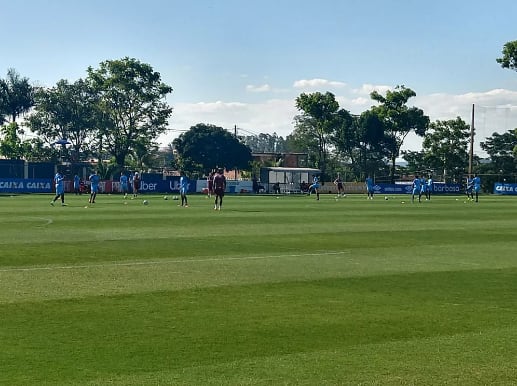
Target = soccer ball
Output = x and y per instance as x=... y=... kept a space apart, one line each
x=386 y=198
x=145 y=202
x=175 y=197
x=165 y=198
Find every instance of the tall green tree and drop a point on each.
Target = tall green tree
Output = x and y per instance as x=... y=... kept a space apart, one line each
x=66 y=112
x=345 y=137
x=318 y=118
x=302 y=140
x=204 y=147
x=16 y=96
x=502 y=151
x=131 y=105
x=265 y=143
x=398 y=119
x=372 y=149
x=445 y=147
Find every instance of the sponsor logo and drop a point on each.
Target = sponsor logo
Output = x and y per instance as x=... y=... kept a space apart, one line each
x=447 y=188
x=505 y=188
x=18 y=185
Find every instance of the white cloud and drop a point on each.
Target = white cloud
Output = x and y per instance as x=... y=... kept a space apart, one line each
x=261 y=88
x=367 y=89
x=495 y=110
x=269 y=116
x=317 y=84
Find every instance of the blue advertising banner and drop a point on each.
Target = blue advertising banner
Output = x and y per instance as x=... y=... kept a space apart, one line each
x=438 y=188
x=19 y=185
x=165 y=186
x=392 y=188
x=504 y=188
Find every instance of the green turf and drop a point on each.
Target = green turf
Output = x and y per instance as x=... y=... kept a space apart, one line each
x=267 y=291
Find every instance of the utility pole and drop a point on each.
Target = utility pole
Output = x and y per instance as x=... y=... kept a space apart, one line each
x=235 y=135
x=471 y=152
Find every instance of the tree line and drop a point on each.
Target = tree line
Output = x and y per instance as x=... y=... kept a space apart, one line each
x=116 y=113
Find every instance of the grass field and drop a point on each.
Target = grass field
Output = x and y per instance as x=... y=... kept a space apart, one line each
x=270 y=290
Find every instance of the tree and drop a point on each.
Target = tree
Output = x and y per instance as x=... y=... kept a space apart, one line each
x=345 y=137
x=501 y=149
x=398 y=120
x=132 y=105
x=205 y=147
x=16 y=96
x=318 y=119
x=303 y=140
x=445 y=147
x=265 y=143
x=11 y=145
x=66 y=112
x=372 y=149
x=509 y=59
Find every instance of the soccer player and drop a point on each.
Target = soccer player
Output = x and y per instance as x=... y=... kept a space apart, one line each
x=423 y=187
x=183 y=189
x=339 y=183
x=210 y=184
x=476 y=182
x=430 y=187
x=219 y=188
x=416 y=189
x=124 y=187
x=369 y=188
x=136 y=184
x=315 y=186
x=77 y=185
x=469 y=187
x=59 y=182
x=94 y=187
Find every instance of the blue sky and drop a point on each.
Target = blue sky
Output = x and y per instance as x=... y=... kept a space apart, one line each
x=235 y=62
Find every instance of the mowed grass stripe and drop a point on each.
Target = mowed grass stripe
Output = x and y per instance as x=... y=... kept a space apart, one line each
x=169 y=331
x=28 y=284
x=120 y=248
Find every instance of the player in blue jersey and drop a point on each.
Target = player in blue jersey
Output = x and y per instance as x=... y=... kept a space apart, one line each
x=94 y=187
x=423 y=187
x=77 y=185
x=369 y=188
x=59 y=183
x=417 y=189
x=430 y=187
x=124 y=184
x=476 y=182
x=184 y=183
x=315 y=186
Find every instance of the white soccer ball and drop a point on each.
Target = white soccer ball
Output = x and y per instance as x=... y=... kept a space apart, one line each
x=175 y=197
x=145 y=202
x=386 y=198
x=165 y=198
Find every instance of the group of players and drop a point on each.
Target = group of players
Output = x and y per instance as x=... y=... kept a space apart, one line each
x=422 y=187
x=94 y=178
x=473 y=188
x=216 y=185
